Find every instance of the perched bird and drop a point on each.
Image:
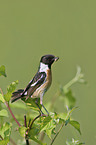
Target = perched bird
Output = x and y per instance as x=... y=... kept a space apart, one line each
x=40 y=82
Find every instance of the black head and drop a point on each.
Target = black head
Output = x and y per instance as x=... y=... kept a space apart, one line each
x=48 y=59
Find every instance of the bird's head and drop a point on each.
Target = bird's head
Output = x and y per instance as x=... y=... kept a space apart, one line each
x=48 y=60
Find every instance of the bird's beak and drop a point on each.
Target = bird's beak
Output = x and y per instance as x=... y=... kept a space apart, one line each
x=56 y=58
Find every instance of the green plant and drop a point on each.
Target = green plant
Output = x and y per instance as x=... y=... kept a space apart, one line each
x=33 y=126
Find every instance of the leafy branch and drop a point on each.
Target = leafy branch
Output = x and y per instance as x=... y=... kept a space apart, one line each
x=33 y=126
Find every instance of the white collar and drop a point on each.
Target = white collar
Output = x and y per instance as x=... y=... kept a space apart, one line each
x=43 y=67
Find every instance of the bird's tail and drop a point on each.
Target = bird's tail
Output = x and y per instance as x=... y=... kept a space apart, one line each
x=17 y=95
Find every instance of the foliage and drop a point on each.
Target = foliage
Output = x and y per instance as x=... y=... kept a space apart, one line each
x=34 y=127
x=73 y=142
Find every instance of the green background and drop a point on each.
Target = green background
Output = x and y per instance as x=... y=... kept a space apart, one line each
x=65 y=28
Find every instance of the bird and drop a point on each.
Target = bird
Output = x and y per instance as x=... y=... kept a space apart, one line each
x=40 y=82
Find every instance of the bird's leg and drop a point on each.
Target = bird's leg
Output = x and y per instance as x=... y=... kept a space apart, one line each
x=41 y=98
x=45 y=109
x=39 y=107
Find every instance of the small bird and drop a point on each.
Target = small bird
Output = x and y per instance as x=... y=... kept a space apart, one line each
x=40 y=82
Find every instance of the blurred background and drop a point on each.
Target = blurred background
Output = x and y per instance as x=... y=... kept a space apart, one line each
x=30 y=29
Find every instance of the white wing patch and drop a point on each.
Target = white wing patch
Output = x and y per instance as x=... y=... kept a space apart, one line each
x=34 y=84
x=25 y=93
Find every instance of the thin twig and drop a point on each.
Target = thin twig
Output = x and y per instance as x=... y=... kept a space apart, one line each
x=26 y=136
x=7 y=105
x=57 y=133
x=25 y=123
x=33 y=121
x=29 y=122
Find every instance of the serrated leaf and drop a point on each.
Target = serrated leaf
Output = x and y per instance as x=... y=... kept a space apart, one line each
x=48 y=125
x=2 y=98
x=2 y=71
x=76 y=125
x=5 y=130
x=4 y=112
x=50 y=128
x=10 y=89
x=22 y=131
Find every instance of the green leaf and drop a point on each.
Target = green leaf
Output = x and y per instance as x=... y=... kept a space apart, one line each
x=38 y=141
x=70 y=111
x=67 y=121
x=2 y=71
x=4 y=112
x=45 y=122
x=73 y=142
x=76 y=125
x=63 y=116
x=34 y=131
x=5 y=141
x=48 y=125
x=5 y=130
x=31 y=103
x=10 y=89
x=2 y=98
x=22 y=131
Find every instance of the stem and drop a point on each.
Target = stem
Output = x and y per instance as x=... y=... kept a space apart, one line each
x=57 y=133
x=7 y=105
x=25 y=123
x=27 y=142
x=33 y=121
x=70 y=83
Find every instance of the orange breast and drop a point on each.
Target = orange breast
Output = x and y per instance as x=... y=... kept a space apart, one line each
x=49 y=78
x=44 y=87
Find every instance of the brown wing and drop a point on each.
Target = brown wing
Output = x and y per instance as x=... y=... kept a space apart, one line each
x=35 y=83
